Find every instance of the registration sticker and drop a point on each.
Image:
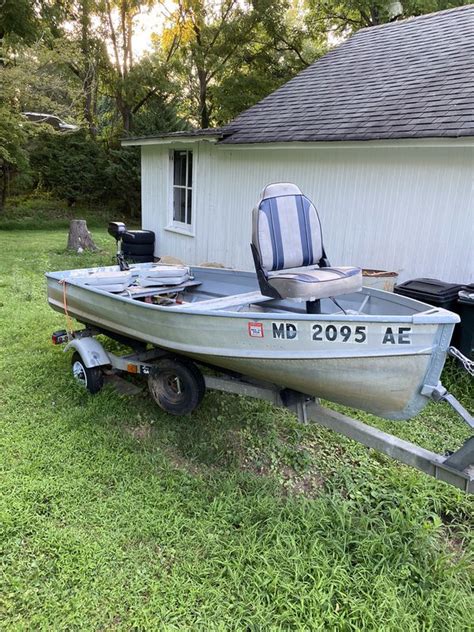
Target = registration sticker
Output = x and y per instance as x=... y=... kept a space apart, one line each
x=255 y=330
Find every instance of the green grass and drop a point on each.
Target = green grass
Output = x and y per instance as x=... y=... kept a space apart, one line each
x=116 y=516
x=42 y=212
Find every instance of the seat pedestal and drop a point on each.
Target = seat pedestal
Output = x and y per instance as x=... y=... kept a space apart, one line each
x=313 y=307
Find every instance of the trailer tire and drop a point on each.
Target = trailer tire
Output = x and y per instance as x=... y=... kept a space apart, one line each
x=177 y=386
x=138 y=237
x=131 y=250
x=140 y=258
x=90 y=378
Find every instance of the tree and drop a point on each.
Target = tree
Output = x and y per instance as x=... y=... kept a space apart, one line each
x=13 y=157
x=221 y=44
x=19 y=20
x=87 y=53
x=344 y=17
x=281 y=46
x=131 y=84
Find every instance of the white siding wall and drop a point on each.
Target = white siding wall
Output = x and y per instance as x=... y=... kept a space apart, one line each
x=408 y=209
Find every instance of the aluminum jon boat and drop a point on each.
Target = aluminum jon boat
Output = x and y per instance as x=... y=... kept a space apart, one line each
x=376 y=351
x=295 y=330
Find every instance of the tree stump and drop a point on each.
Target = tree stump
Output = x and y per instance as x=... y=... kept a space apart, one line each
x=79 y=237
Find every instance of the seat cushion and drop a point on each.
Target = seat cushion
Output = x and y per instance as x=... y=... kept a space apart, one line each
x=109 y=281
x=311 y=284
x=163 y=275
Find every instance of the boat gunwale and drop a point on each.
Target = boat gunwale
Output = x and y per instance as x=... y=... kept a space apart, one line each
x=436 y=316
x=256 y=354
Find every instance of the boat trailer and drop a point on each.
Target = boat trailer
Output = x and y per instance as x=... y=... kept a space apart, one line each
x=171 y=377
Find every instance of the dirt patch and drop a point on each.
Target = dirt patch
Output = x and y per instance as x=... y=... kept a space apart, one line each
x=180 y=462
x=455 y=544
x=307 y=483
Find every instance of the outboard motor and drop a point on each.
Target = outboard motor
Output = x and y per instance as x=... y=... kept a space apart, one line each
x=117 y=230
x=135 y=246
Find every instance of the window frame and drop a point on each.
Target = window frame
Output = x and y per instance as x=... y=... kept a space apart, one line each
x=174 y=225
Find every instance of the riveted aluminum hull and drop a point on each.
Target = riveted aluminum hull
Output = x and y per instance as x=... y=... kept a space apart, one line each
x=376 y=361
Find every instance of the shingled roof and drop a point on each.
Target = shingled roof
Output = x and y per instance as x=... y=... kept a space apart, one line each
x=407 y=79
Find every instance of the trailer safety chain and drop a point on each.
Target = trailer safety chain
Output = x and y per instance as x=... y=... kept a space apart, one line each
x=466 y=363
x=69 y=323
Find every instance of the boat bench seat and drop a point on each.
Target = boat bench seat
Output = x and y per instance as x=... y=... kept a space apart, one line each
x=287 y=247
x=163 y=275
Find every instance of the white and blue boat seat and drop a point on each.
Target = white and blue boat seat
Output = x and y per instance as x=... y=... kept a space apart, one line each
x=288 y=251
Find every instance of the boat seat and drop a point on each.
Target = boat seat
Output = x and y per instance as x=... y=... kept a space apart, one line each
x=313 y=284
x=163 y=275
x=288 y=251
x=108 y=280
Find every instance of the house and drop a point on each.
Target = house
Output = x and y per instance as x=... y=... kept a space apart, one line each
x=378 y=133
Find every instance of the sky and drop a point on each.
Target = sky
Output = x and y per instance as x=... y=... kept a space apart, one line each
x=148 y=22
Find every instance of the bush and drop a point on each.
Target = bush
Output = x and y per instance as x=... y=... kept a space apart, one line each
x=72 y=166
x=123 y=175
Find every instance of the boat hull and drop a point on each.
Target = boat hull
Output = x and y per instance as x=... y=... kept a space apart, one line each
x=378 y=363
x=383 y=386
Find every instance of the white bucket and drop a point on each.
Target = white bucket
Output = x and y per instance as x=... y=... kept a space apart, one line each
x=379 y=279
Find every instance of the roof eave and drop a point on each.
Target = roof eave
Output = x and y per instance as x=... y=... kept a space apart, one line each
x=168 y=140
x=422 y=141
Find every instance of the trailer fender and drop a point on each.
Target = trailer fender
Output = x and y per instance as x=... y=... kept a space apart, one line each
x=91 y=351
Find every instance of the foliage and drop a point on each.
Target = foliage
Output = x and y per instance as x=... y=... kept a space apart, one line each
x=115 y=515
x=13 y=157
x=71 y=166
x=228 y=55
x=343 y=17
x=123 y=176
x=18 y=19
x=206 y=62
x=24 y=21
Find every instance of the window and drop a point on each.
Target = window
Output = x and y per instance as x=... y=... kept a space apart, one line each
x=182 y=186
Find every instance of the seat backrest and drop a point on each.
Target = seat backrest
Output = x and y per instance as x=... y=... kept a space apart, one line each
x=286 y=230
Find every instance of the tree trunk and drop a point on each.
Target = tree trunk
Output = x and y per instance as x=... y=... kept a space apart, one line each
x=125 y=112
x=79 y=237
x=203 y=109
x=89 y=78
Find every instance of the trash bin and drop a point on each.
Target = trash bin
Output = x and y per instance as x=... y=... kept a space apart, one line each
x=434 y=292
x=466 y=311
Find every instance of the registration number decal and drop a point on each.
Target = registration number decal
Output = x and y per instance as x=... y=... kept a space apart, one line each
x=339 y=333
x=335 y=332
x=397 y=336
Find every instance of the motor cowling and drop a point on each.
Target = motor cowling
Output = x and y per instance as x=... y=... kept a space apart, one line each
x=116 y=229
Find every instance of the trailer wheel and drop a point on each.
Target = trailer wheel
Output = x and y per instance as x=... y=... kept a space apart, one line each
x=177 y=386
x=90 y=378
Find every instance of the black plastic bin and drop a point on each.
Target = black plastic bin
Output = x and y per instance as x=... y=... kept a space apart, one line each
x=434 y=292
x=466 y=311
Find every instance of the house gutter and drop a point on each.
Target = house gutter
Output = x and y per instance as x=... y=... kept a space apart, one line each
x=176 y=141
x=170 y=141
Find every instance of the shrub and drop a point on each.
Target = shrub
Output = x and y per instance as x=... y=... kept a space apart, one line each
x=72 y=166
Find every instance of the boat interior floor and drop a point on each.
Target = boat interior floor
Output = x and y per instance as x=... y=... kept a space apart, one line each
x=197 y=296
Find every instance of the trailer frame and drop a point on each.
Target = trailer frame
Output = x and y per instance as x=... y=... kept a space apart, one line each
x=456 y=468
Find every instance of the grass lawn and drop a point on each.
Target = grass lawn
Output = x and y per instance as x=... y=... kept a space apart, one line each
x=117 y=516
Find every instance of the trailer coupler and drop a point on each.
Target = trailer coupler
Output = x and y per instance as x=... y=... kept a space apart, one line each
x=439 y=394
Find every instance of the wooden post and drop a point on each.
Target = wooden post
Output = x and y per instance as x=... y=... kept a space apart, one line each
x=79 y=237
